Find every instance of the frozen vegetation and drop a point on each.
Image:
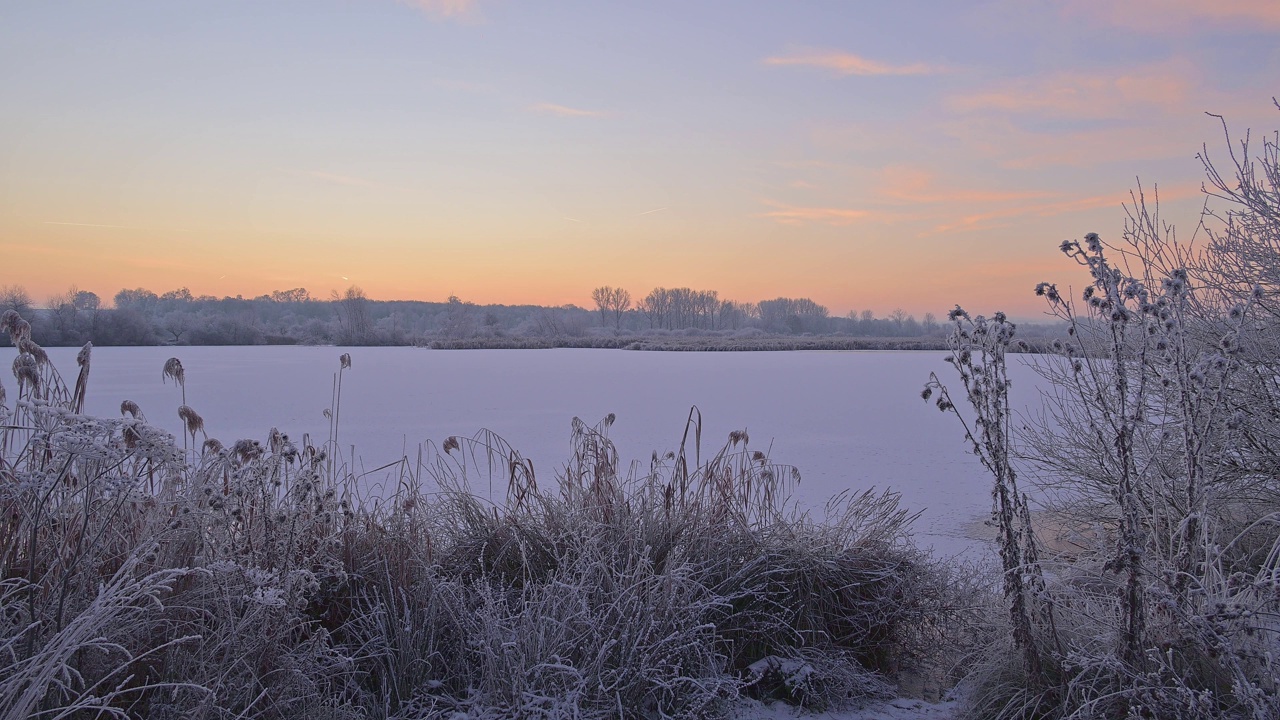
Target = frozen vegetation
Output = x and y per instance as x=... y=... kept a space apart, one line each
x=154 y=573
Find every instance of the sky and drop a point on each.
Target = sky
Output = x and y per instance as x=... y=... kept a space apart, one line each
x=868 y=155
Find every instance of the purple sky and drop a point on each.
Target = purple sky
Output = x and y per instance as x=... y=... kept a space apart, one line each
x=870 y=155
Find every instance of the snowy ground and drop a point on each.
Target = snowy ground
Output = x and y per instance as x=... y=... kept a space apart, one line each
x=847 y=420
x=896 y=709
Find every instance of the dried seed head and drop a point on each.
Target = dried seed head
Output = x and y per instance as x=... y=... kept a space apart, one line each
x=344 y=360
x=9 y=320
x=173 y=369
x=21 y=330
x=212 y=445
x=247 y=450
x=25 y=345
x=26 y=370
x=129 y=407
x=82 y=357
x=451 y=443
x=191 y=419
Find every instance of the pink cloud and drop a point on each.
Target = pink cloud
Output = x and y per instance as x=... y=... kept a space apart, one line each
x=1166 y=86
x=342 y=179
x=795 y=215
x=1156 y=16
x=563 y=110
x=984 y=220
x=444 y=8
x=849 y=64
x=902 y=184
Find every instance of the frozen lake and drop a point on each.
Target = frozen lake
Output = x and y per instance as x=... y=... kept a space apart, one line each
x=847 y=420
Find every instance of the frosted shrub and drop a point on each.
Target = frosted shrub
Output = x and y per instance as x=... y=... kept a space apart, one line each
x=1153 y=447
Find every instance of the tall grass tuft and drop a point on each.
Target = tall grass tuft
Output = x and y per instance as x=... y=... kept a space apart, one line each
x=247 y=580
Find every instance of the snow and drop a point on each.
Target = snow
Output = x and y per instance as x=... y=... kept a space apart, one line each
x=896 y=709
x=847 y=420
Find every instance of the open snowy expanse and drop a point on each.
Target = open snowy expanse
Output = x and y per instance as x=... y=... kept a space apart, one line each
x=847 y=420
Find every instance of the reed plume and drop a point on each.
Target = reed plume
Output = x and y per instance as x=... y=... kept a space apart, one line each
x=82 y=380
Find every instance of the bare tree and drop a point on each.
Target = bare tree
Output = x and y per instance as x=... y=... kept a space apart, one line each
x=352 y=308
x=612 y=303
x=15 y=297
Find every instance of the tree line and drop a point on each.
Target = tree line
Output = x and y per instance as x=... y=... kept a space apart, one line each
x=685 y=309
x=138 y=316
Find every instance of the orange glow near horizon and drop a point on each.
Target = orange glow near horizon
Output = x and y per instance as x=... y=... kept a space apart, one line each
x=516 y=155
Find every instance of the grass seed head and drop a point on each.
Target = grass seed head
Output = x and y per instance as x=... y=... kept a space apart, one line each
x=129 y=407
x=8 y=320
x=173 y=369
x=191 y=419
x=25 y=345
x=26 y=370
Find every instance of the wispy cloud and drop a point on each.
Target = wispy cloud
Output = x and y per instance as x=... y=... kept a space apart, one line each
x=1159 y=16
x=563 y=110
x=94 y=225
x=342 y=179
x=1076 y=95
x=845 y=63
x=797 y=215
x=444 y=8
x=902 y=184
x=989 y=220
x=115 y=227
x=1000 y=141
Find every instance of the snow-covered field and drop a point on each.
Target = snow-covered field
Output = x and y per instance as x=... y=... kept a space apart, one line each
x=847 y=420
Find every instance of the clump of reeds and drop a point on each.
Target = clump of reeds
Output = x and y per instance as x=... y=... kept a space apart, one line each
x=246 y=581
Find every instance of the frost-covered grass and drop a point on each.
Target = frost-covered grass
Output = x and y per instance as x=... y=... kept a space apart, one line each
x=144 y=575
x=1158 y=445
